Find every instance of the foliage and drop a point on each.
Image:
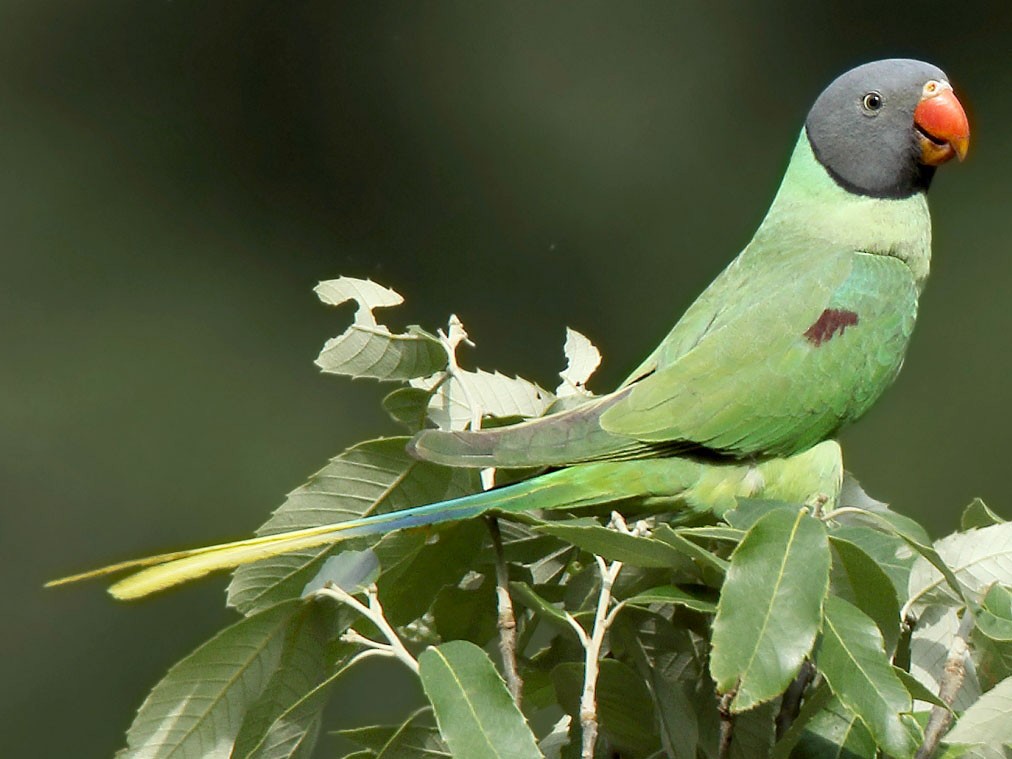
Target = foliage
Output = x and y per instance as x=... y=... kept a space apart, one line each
x=779 y=630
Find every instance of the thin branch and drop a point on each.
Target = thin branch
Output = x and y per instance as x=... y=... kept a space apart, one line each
x=374 y=613
x=829 y=516
x=592 y=643
x=816 y=504
x=367 y=654
x=952 y=680
x=726 y=724
x=350 y=636
x=507 y=621
x=790 y=705
x=578 y=629
x=592 y=657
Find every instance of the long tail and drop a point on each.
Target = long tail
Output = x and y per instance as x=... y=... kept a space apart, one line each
x=573 y=487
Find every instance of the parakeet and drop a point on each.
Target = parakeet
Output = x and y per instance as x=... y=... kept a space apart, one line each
x=795 y=339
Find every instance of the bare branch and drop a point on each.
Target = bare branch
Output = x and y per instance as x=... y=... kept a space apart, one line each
x=952 y=680
x=790 y=705
x=507 y=621
x=592 y=657
x=726 y=724
x=374 y=613
x=592 y=644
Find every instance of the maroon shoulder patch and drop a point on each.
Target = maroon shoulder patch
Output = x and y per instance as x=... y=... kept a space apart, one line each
x=830 y=322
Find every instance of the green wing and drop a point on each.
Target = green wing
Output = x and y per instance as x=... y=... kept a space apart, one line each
x=776 y=375
x=737 y=374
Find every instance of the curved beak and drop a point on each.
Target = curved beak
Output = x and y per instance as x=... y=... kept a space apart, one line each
x=943 y=129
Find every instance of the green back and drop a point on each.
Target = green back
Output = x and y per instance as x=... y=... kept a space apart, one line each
x=756 y=367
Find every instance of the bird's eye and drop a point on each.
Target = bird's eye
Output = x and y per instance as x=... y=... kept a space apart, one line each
x=872 y=102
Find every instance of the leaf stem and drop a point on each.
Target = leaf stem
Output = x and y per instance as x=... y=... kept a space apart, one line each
x=507 y=621
x=828 y=516
x=592 y=656
x=790 y=705
x=374 y=613
x=603 y=619
x=952 y=680
x=726 y=724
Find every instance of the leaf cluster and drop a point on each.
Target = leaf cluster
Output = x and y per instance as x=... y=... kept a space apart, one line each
x=776 y=630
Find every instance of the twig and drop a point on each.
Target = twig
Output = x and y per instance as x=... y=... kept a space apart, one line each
x=507 y=621
x=374 y=613
x=816 y=504
x=592 y=656
x=952 y=680
x=726 y=724
x=790 y=705
x=828 y=516
x=592 y=643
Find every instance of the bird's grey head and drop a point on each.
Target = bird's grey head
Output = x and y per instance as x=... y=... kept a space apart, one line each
x=881 y=129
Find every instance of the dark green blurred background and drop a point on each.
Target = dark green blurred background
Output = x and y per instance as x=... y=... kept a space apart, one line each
x=176 y=177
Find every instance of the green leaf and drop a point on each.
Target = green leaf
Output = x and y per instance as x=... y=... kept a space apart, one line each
x=930 y=643
x=858 y=579
x=998 y=601
x=372 y=737
x=961 y=752
x=526 y=595
x=369 y=478
x=835 y=732
x=368 y=349
x=893 y=555
x=770 y=608
x=409 y=406
x=557 y=740
x=351 y=571
x=456 y=401
x=417 y=738
x=816 y=699
x=918 y=690
x=986 y=724
x=293 y=732
x=375 y=352
x=995 y=618
x=852 y=658
x=672 y=594
x=675 y=715
x=198 y=707
x=748 y=511
x=754 y=732
x=947 y=587
x=879 y=516
x=302 y=667
x=715 y=532
x=616 y=546
x=978 y=559
x=582 y=360
x=417 y=565
x=991 y=638
x=545 y=557
x=652 y=645
x=624 y=704
x=466 y=614
x=712 y=567
x=476 y=716
x=992 y=660
x=977 y=514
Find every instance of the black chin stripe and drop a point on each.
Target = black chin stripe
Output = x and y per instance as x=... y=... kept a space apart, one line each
x=918 y=182
x=917 y=178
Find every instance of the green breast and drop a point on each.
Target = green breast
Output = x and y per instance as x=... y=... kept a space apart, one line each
x=855 y=349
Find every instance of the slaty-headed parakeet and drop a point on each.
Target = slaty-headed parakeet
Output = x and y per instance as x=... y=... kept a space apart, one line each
x=796 y=338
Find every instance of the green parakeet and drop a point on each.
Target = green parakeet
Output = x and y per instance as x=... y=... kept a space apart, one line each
x=796 y=338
